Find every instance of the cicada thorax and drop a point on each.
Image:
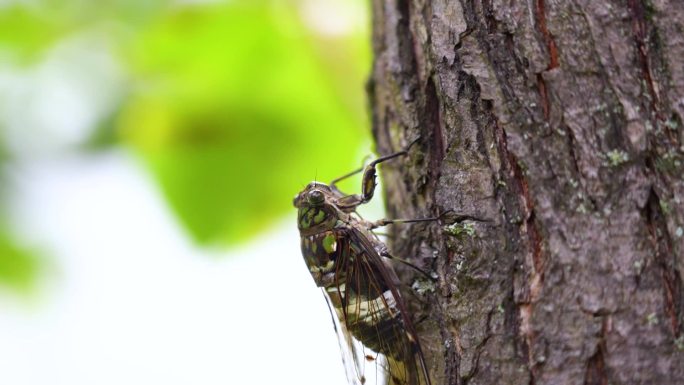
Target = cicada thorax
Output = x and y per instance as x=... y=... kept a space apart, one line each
x=319 y=251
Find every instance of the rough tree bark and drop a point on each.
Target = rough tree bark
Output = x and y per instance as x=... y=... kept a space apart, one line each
x=559 y=123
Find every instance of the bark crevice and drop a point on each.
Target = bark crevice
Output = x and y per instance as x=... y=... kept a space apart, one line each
x=433 y=125
x=552 y=49
x=640 y=31
x=596 y=366
x=523 y=298
x=666 y=261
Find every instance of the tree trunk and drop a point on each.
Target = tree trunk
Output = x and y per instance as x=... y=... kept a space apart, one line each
x=559 y=125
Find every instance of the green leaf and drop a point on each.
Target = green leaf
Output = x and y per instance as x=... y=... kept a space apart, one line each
x=27 y=29
x=18 y=267
x=236 y=113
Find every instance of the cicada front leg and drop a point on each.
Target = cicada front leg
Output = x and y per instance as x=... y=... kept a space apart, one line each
x=368 y=181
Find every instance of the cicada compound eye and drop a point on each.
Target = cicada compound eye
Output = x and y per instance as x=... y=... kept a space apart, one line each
x=315 y=197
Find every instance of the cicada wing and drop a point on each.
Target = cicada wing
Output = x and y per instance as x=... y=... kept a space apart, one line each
x=376 y=336
x=398 y=340
x=356 y=363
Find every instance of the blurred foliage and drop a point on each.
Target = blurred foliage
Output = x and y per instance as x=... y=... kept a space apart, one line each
x=27 y=28
x=233 y=106
x=18 y=266
x=236 y=115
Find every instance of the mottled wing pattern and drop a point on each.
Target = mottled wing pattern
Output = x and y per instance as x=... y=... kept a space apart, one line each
x=376 y=336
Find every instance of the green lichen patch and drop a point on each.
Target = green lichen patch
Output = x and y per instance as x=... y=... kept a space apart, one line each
x=461 y=229
x=669 y=162
x=665 y=206
x=422 y=286
x=679 y=343
x=616 y=157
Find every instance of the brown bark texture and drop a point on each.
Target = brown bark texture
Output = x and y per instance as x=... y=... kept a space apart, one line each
x=558 y=126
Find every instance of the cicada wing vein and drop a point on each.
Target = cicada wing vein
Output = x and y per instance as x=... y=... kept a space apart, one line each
x=352 y=350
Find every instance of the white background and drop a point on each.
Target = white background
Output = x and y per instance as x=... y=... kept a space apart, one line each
x=129 y=300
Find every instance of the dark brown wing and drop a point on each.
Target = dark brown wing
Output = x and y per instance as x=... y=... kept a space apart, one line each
x=376 y=334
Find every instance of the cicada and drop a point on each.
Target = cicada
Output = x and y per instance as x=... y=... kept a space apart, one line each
x=353 y=268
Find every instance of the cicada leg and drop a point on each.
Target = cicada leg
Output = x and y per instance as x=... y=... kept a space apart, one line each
x=334 y=182
x=409 y=264
x=368 y=182
x=385 y=222
x=455 y=219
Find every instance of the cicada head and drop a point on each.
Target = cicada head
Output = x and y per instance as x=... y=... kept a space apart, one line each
x=316 y=207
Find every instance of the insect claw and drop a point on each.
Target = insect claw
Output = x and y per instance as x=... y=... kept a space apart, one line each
x=412 y=143
x=443 y=214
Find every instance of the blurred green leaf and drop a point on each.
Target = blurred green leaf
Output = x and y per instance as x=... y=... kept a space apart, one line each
x=28 y=28
x=234 y=107
x=18 y=267
x=235 y=112
x=23 y=31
